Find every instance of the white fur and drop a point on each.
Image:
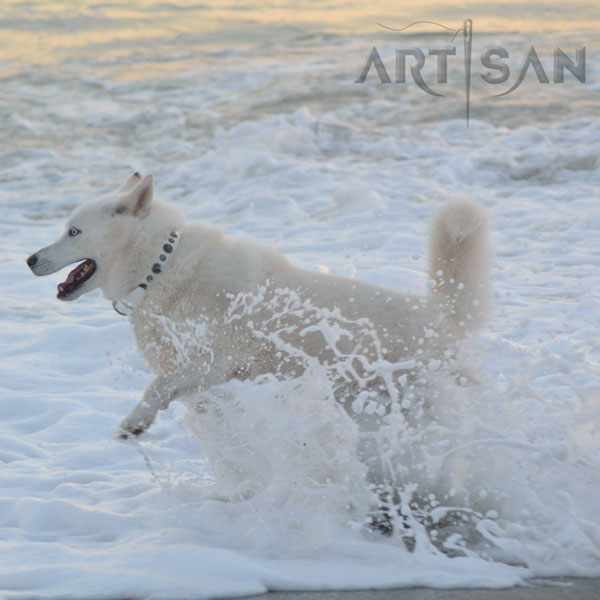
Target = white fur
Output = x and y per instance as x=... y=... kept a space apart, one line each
x=225 y=308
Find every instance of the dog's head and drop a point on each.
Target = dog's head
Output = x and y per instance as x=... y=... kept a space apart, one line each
x=96 y=236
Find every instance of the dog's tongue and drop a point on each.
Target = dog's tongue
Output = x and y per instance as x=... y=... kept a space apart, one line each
x=70 y=278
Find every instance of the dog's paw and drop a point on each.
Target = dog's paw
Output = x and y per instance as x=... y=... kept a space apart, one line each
x=124 y=433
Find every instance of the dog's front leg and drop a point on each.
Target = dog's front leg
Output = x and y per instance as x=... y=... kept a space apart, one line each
x=159 y=394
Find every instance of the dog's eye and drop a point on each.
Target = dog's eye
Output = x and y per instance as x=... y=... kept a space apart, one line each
x=74 y=231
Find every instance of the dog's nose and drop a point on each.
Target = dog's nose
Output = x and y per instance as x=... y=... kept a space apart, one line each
x=32 y=260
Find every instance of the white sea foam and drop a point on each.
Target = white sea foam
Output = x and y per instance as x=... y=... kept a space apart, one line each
x=275 y=141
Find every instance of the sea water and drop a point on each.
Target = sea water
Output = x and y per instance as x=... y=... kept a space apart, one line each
x=250 y=120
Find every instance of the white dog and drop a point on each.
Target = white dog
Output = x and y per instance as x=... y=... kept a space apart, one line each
x=206 y=308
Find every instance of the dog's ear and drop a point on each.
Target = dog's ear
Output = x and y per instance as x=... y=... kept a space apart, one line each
x=131 y=182
x=136 y=201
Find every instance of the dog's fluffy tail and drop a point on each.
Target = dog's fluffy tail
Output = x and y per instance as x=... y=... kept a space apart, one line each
x=459 y=263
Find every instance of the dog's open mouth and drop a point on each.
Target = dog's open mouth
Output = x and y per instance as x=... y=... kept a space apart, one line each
x=77 y=277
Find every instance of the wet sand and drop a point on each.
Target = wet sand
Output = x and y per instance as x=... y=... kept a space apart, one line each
x=540 y=589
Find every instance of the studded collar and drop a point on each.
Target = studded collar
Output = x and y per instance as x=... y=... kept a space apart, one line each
x=127 y=305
